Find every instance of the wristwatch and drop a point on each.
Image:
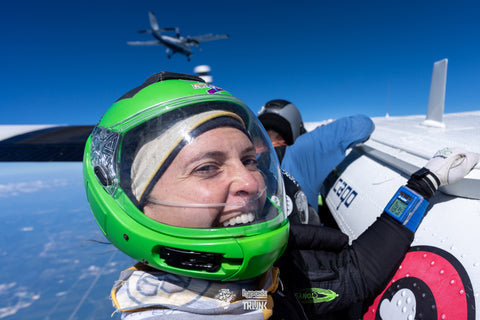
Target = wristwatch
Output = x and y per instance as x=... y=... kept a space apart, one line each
x=407 y=207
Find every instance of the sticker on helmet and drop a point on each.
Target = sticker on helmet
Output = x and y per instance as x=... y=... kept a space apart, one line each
x=200 y=85
x=214 y=89
x=211 y=89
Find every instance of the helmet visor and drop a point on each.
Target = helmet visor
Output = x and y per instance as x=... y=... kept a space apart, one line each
x=201 y=164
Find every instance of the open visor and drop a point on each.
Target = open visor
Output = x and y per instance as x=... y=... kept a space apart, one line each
x=203 y=162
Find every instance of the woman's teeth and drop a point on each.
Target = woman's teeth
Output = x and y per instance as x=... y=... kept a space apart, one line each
x=241 y=219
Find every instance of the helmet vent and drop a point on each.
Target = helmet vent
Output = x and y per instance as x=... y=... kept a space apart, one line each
x=192 y=260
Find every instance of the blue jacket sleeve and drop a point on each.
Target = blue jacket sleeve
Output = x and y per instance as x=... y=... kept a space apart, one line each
x=314 y=154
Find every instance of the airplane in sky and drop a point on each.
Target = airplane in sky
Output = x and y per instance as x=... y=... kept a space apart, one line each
x=174 y=44
x=440 y=275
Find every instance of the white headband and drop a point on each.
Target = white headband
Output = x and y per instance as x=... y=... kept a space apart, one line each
x=151 y=157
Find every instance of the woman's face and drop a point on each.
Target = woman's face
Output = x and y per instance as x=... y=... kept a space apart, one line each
x=219 y=166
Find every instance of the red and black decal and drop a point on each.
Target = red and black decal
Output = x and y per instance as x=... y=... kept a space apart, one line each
x=429 y=284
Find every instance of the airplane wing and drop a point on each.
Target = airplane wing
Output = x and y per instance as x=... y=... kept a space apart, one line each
x=398 y=147
x=210 y=37
x=413 y=141
x=206 y=37
x=43 y=143
x=144 y=43
x=46 y=217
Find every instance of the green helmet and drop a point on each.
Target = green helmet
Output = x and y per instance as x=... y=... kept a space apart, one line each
x=129 y=152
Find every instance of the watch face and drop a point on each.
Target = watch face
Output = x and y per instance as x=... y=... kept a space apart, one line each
x=398 y=207
x=400 y=204
x=407 y=207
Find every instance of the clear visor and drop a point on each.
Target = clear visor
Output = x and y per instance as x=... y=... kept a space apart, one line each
x=205 y=165
x=207 y=215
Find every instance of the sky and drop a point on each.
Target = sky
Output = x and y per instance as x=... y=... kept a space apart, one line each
x=67 y=274
x=66 y=62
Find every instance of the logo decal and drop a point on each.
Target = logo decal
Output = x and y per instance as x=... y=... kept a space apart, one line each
x=344 y=192
x=214 y=89
x=211 y=88
x=200 y=85
x=225 y=296
x=316 y=295
x=256 y=299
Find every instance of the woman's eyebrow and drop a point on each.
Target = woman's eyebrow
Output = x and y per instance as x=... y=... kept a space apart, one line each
x=220 y=155
x=250 y=149
x=209 y=155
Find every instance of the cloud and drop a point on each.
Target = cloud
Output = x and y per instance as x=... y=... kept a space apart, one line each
x=15 y=298
x=18 y=188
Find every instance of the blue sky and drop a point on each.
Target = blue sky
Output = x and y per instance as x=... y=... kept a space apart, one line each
x=66 y=62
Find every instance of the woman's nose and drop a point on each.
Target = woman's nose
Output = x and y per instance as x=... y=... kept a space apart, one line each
x=245 y=182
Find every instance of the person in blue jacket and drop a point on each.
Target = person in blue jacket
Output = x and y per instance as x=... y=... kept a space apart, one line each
x=311 y=156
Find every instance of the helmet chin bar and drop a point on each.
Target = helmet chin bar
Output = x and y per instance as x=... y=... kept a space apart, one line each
x=191 y=260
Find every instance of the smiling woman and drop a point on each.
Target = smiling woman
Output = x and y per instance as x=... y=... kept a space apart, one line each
x=175 y=165
x=181 y=176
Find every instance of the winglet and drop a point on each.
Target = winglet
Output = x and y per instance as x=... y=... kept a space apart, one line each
x=436 y=100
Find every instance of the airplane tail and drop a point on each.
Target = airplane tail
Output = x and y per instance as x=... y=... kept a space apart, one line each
x=156 y=28
x=153 y=21
x=436 y=100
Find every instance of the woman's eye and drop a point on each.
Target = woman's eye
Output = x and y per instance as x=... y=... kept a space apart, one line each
x=250 y=162
x=206 y=169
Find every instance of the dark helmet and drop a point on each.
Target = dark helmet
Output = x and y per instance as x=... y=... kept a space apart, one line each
x=283 y=117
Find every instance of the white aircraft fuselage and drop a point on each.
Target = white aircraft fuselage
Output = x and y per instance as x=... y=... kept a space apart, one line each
x=444 y=262
x=439 y=277
x=177 y=45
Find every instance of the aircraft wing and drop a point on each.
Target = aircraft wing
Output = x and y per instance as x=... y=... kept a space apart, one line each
x=398 y=147
x=207 y=37
x=43 y=143
x=144 y=43
x=411 y=140
x=46 y=217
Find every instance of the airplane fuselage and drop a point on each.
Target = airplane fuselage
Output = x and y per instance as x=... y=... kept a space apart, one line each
x=175 y=44
x=439 y=276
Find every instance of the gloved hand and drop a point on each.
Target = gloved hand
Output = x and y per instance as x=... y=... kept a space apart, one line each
x=305 y=267
x=325 y=273
x=450 y=165
x=447 y=166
